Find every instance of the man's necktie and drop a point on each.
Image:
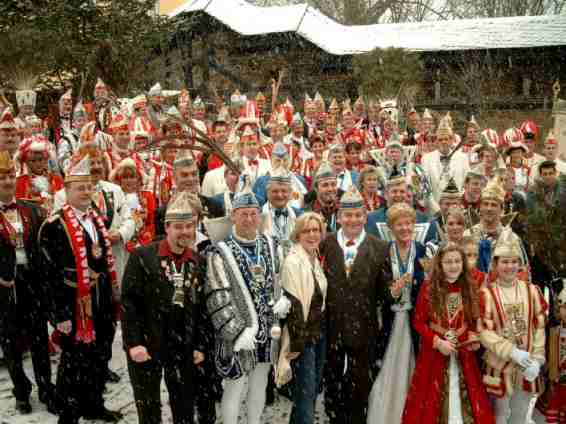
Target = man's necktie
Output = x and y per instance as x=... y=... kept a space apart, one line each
x=253 y=162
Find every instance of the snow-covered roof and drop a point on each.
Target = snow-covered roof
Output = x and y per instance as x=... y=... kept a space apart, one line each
x=338 y=39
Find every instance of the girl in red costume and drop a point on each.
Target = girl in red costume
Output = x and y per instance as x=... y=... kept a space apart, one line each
x=447 y=384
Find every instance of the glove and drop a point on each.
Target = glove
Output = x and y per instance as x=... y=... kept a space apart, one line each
x=246 y=340
x=40 y=184
x=282 y=307
x=532 y=371
x=521 y=357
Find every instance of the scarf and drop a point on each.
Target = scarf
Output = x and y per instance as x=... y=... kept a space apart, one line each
x=84 y=323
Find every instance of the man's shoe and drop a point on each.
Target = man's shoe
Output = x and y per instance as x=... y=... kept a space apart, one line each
x=105 y=415
x=23 y=406
x=112 y=377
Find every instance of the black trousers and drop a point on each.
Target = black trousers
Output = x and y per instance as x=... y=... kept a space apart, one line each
x=22 y=321
x=146 y=382
x=81 y=377
x=346 y=395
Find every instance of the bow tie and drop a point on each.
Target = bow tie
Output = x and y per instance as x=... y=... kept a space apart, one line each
x=281 y=212
x=8 y=207
x=444 y=158
x=253 y=162
x=350 y=243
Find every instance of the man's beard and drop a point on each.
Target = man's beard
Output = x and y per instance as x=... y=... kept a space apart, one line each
x=184 y=242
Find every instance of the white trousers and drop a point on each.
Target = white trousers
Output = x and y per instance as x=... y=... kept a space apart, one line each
x=231 y=399
x=513 y=409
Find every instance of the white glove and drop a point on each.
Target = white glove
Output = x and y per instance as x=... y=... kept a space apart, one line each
x=40 y=183
x=532 y=371
x=282 y=307
x=246 y=340
x=521 y=357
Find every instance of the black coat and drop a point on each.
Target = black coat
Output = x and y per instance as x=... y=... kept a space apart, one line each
x=353 y=302
x=147 y=302
x=60 y=269
x=30 y=289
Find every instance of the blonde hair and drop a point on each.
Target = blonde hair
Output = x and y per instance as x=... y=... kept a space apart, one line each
x=398 y=211
x=303 y=221
x=366 y=172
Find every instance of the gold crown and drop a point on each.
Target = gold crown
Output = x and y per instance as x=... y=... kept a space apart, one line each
x=494 y=190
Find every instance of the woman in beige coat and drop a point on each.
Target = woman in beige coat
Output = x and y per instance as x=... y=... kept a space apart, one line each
x=304 y=342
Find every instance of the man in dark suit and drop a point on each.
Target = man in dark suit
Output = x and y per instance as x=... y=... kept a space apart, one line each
x=358 y=266
x=22 y=296
x=84 y=294
x=164 y=323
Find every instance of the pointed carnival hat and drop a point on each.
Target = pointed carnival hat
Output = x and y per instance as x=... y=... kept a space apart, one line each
x=7 y=120
x=156 y=90
x=427 y=114
x=324 y=172
x=80 y=111
x=260 y=98
x=79 y=171
x=508 y=245
x=396 y=177
x=334 y=105
x=297 y=119
x=550 y=138
x=445 y=127
x=245 y=198
x=451 y=191
x=179 y=208
x=280 y=175
x=351 y=199
x=493 y=190
x=473 y=123
x=279 y=151
x=223 y=115
x=184 y=158
x=394 y=141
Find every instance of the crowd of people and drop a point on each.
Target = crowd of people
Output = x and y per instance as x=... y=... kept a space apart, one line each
x=412 y=275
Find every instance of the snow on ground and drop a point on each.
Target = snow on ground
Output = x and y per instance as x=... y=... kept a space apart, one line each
x=119 y=396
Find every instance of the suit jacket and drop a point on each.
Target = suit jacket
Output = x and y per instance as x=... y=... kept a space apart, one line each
x=30 y=290
x=353 y=301
x=147 y=302
x=60 y=269
x=118 y=217
x=458 y=168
